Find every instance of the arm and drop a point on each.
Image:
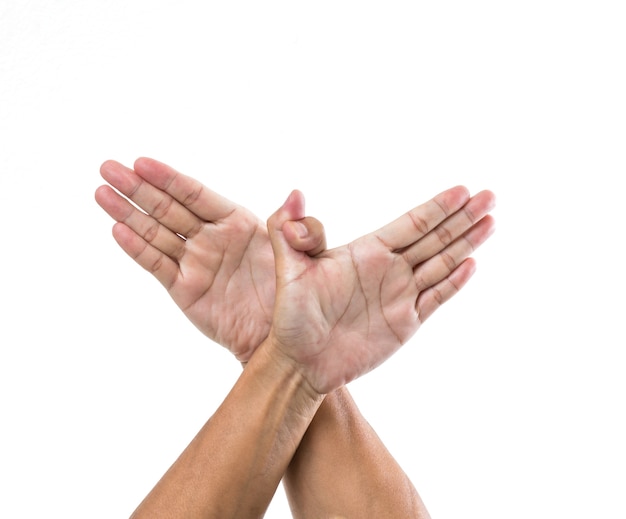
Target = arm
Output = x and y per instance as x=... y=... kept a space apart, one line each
x=342 y=468
x=226 y=246
x=233 y=466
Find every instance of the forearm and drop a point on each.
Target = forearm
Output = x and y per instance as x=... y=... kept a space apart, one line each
x=235 y=463
x=343 y=469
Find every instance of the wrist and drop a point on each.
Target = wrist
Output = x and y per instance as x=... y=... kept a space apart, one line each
x=282 y=369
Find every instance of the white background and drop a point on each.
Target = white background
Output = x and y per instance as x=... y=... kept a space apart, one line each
x=508 y=403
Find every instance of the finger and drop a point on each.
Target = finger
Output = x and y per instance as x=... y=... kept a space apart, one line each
x=420 y=220
x=431 y=299
x=439 y=267
x=150 y=230
x=305 y=235
x=153 y=260
x=451 y=228
x=197 y=198
x=292 y=209
x=157 y=203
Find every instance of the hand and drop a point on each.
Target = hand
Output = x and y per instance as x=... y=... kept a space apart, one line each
x=341 y=313
x=212 y=255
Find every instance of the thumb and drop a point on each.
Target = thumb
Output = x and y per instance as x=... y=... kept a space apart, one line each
x=306 y=235
x=285 y=256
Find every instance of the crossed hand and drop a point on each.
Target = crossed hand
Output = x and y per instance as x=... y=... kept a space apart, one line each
x=336 y=314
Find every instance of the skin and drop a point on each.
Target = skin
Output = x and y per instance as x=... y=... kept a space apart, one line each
x=223 y=269
x=356 y=305
x=233 y=466
x=221 y=274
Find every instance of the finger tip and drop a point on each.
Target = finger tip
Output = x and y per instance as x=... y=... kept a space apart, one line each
x=294 y=205
x=488 y=226
x=121 y=233
x=296 y=196
x=458 y=195
x=491 y=198
x=107 y=165
x=116 y=229
x=142 y=163
x=462 y=190
x=100 y=193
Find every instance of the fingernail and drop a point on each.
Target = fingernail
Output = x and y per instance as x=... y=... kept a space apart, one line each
x=300 y=229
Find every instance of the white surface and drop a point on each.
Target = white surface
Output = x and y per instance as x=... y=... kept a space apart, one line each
x=509 y=403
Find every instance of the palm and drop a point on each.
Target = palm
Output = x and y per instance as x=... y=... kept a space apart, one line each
x=340 y=314
x=213 y=256
x=362 y=304
x=226 y=282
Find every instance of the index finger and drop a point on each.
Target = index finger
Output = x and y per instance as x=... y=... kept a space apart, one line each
x=196 y=197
